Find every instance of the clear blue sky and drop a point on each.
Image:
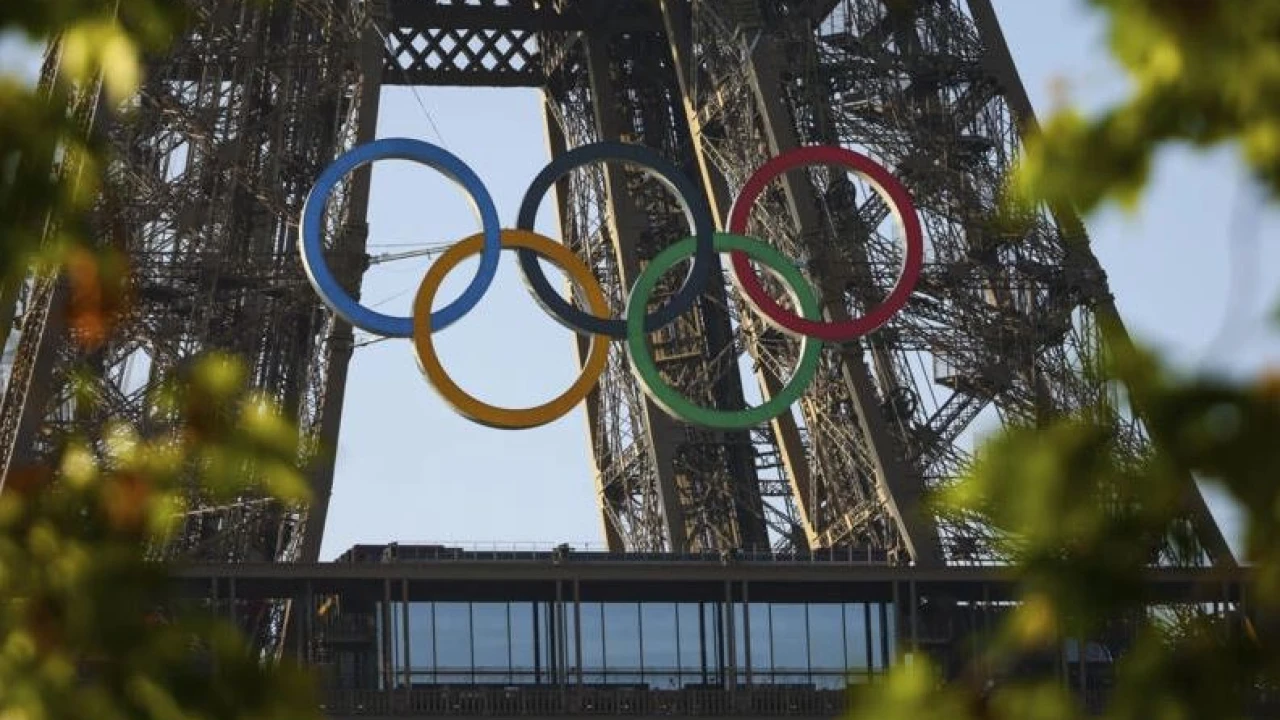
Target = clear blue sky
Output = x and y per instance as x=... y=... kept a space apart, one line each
x=1194 y=271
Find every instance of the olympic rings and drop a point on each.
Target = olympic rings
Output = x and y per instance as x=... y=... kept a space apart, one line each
x=469 y=406
x=696 y=209
x=894 y=194
x=312 y=245
x=670 y=399
x=635 y=327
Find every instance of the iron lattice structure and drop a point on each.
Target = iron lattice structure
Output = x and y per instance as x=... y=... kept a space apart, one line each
x=1003 y=328
x=216 y=156
x=211 y=162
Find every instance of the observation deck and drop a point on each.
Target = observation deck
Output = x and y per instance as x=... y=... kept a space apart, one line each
x=416 y=631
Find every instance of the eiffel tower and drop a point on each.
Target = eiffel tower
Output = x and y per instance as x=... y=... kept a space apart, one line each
x=234 y=124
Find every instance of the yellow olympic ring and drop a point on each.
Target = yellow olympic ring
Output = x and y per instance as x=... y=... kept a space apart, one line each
x=470 y=407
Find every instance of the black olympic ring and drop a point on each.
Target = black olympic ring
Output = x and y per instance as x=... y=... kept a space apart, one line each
x=697 y=212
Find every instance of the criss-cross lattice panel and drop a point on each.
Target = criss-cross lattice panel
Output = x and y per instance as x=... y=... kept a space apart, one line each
x=441 y=56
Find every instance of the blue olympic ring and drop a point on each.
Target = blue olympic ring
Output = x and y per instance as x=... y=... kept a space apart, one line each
x=311 y=243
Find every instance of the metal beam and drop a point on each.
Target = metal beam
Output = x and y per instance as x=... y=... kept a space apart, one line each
x=486 y=15
x=606 y=497
x=677 y=19
x=1175 y=582
x=900 y=489
x=627 y=225
x=340 y=344
x=493 y=43
x=999 y=62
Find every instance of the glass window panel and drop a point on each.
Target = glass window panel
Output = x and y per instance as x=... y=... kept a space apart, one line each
x=828 y=680
x=881 y=633
x=489 y=638
x=453 y=642
x=690 y=638
x=855 y=637
x=422 y=656
x=713 y=643
x=396 y=645
x=553 y=639
x=661 y=645
x=397 y=642
x=522 y=656
x=592 y=661
x=875 y=635
x=790 y=642
x=711 y=635
x=567 y=656
x=761 y=645
x=826 y=637
x=826 y=645
x=739 y=636
x=381 y=637
x=622 y=642
x=891 y=632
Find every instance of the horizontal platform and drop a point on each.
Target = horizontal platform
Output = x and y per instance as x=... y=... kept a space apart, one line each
x=514 y=575
x=421 y=631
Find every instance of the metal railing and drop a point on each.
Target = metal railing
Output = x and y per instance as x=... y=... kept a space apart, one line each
x=536 y=552
x=533 y=702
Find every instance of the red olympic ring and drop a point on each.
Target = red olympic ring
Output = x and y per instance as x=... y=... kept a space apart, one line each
x=893 y=192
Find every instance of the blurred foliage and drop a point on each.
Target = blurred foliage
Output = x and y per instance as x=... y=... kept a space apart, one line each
x=1081 y=514
x=1203 y=72
x=85 y=631
x=87 y=626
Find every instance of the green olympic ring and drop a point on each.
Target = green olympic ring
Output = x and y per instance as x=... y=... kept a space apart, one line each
x=668 y=398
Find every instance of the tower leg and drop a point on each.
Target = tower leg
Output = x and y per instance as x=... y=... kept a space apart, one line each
x=340 y=343
x=999 y=62
x=664 y=485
